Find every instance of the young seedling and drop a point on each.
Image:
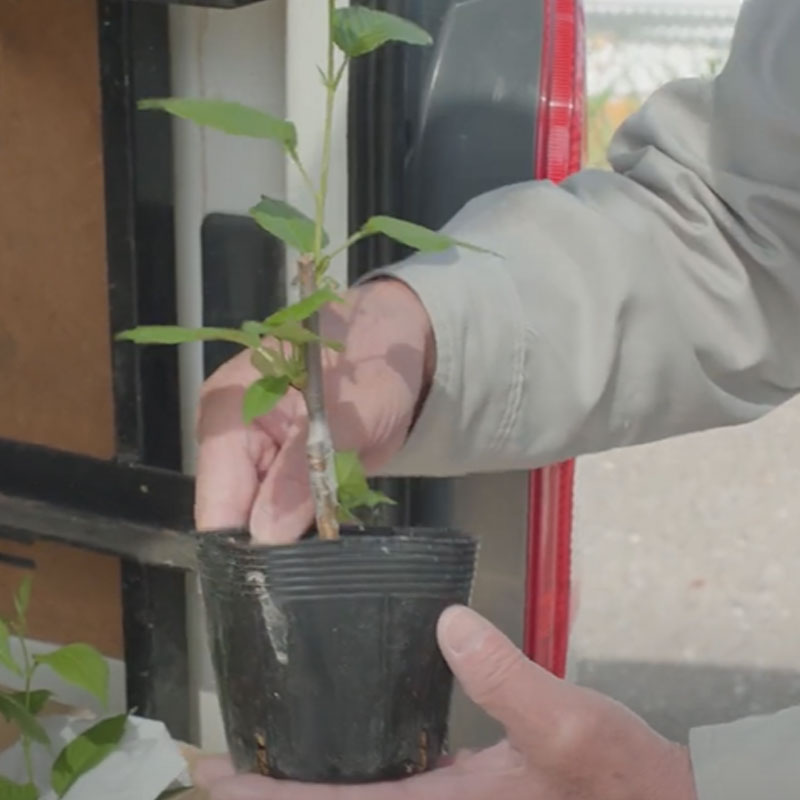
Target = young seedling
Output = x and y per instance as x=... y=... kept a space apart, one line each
x=286 y=347
x=76 y=664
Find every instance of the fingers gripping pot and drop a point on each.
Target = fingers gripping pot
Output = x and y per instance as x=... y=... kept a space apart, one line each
x=325 y=651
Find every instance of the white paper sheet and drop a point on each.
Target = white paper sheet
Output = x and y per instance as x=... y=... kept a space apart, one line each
x=146 y=763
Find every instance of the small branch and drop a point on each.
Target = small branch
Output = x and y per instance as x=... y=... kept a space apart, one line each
x=330 y=90
x=27 y=665
x=268 y=356
x=340 y=73
x=26 y=751
x=354 y=239
x=319 y=447
x=295 y=156
x=29 y=670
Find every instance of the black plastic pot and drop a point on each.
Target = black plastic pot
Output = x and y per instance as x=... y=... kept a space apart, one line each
x=325 y=652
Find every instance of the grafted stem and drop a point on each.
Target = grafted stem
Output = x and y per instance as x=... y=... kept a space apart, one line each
x=319 y=446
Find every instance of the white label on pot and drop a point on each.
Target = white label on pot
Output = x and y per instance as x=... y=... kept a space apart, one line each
x=274 y=620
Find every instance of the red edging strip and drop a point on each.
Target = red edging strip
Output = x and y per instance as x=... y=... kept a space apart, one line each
x=559 y=152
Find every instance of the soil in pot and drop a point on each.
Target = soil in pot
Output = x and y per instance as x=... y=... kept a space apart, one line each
x=325 y=651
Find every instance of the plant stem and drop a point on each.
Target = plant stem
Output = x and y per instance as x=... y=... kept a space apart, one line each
x=29 y=670
x=331 y=85
x=26 y=664
x=26 y=749
x=303 y=172
x=319 y=446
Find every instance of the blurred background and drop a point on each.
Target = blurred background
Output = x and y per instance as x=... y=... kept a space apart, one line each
x=687 y=552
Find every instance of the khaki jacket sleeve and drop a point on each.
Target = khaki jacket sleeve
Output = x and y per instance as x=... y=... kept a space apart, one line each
x=628 y=306
x=651 y=301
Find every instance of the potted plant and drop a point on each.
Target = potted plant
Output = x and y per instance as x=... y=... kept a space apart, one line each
x=76 y=664
x=325 y=650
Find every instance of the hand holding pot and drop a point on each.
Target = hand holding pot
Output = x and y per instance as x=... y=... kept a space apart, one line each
x=563 y=741
x=257 y=475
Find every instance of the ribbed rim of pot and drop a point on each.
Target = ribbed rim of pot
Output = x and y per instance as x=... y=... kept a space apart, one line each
x=377 y=561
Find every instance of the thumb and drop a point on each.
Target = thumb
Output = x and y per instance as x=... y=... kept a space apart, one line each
x=496 y=675
x=227 y=479
x=283 y=508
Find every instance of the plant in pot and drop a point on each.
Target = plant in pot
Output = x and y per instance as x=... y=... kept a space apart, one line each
x=76 y=664
x=325 y=650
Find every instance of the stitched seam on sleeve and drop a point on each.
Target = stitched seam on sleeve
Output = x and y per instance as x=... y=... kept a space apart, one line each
x=511 y=413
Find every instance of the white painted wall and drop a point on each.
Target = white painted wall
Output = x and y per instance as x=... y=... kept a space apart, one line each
x=264 y=55
x=237 y=55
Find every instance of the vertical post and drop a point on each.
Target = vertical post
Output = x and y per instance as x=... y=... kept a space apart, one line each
x=156 y=647
x=559 y=152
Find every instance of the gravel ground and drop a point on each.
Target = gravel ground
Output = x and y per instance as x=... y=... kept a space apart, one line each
x=688 y=558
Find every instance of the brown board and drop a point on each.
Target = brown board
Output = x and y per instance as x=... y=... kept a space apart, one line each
x=55 y=368
x=76 y=595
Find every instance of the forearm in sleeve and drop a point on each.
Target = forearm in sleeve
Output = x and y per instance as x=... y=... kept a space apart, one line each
x=628 y=306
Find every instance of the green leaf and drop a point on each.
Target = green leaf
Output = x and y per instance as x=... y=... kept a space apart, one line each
x=86 y=752
x=349 y=472
x=288 y=331
x=293 y=332
x=17 y=791
x=332 y=344
x=37 y=700
x=268 y=367
x=327 y=282
x=373 y=498
x=6 y=659
x=304 y=308
x=82 y=666
x=22 y=599
x=15 y=712
x=175 y=334
x=354 y=491
x=346 y=516
x=263 y=396
x=416 y=236
x=228 y=117
x=346 y=511
x=253 y=328
x=351 y=499
x=358 y=30
x=287 y=224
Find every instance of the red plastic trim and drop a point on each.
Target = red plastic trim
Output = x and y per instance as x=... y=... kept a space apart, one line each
x=559 y=152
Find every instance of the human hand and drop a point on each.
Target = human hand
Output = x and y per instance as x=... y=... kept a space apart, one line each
x=564 y=742
x=256 y=476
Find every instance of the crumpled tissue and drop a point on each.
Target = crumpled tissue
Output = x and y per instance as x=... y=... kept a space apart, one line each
x=146 y=763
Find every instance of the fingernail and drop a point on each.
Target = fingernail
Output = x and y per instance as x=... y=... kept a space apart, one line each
x=462 y=630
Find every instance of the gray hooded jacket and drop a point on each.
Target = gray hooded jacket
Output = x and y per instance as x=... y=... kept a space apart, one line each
x=633 y=305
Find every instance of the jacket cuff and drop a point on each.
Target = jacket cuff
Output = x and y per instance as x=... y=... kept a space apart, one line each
x=466 y=417
x=757 y=757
